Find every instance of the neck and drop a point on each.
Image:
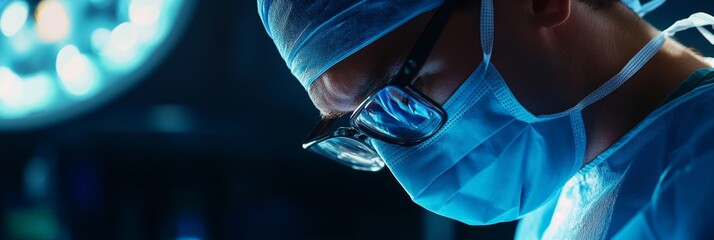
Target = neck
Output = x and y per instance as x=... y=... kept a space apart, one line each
x=610 y=118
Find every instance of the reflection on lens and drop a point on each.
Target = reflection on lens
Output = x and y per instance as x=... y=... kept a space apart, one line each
x=350 y=152
x=397 y=115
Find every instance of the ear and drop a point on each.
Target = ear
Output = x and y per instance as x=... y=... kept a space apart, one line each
x=550 y=13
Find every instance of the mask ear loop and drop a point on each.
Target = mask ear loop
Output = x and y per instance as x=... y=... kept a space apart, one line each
x=487 y=30
x=698 y=20
x=649 y=7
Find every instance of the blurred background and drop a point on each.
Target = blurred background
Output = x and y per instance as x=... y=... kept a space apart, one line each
x=191 y=131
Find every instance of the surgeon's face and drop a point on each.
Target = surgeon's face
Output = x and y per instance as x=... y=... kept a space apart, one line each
x=523 y=53
x=340 y=89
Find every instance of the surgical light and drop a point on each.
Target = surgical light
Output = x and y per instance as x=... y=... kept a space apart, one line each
x=59 y=58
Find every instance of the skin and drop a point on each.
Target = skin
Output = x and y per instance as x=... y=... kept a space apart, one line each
x=551 y=53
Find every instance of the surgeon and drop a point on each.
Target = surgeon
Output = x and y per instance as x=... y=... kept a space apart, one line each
x=575 y=116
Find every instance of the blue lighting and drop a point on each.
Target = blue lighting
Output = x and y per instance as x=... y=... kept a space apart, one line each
x=190 y=226
x=60 y=58
x=37 y=178
x=188 y=238
x=171 y=119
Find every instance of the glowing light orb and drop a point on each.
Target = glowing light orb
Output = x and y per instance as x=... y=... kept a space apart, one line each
x=144 y=12
x=124 y=37
x=11 y=89
x=100 y=37
x=52 y=19
x=14 y=18
x=122 y=44
x=75 y=71
x=19 y=96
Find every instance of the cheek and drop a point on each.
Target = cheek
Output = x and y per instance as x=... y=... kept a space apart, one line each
x=452 y=63
x=439 y=87
x=451 y=69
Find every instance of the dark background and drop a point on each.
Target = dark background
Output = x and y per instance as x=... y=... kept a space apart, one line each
x=207 y=146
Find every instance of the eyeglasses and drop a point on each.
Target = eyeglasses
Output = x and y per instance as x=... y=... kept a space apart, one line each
x=396 y=113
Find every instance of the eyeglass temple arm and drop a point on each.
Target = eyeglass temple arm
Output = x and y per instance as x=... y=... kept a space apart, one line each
x=322 y=127
x=427 y=40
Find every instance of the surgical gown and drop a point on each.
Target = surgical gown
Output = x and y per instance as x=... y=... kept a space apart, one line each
x=656 y=182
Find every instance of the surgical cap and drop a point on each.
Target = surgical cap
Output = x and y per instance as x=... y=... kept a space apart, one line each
x=313 y=36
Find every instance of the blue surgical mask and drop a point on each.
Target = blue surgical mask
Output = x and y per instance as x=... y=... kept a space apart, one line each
x=494 y=161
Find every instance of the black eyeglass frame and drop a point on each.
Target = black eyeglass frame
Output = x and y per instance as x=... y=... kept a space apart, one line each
x=403 y=80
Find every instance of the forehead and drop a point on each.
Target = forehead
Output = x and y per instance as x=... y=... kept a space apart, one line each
x=343 y=86
x=336 y=91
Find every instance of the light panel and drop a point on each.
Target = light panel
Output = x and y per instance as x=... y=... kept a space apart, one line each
x=59 y=58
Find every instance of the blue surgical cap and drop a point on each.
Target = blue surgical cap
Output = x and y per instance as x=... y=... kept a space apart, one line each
x=313 y=36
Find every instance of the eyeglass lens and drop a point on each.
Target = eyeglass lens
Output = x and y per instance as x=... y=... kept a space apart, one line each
x=396 y=114
x=351 y=152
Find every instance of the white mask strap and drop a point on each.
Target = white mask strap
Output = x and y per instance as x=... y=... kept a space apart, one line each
x=634 y=65
x=650 y=6
x=643 y=9
x=487 y=30
x=698 y=20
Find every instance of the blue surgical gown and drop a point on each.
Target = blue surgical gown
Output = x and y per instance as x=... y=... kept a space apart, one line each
x=656 y=182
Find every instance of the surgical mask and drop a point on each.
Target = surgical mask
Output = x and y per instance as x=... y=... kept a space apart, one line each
x=493 y=160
